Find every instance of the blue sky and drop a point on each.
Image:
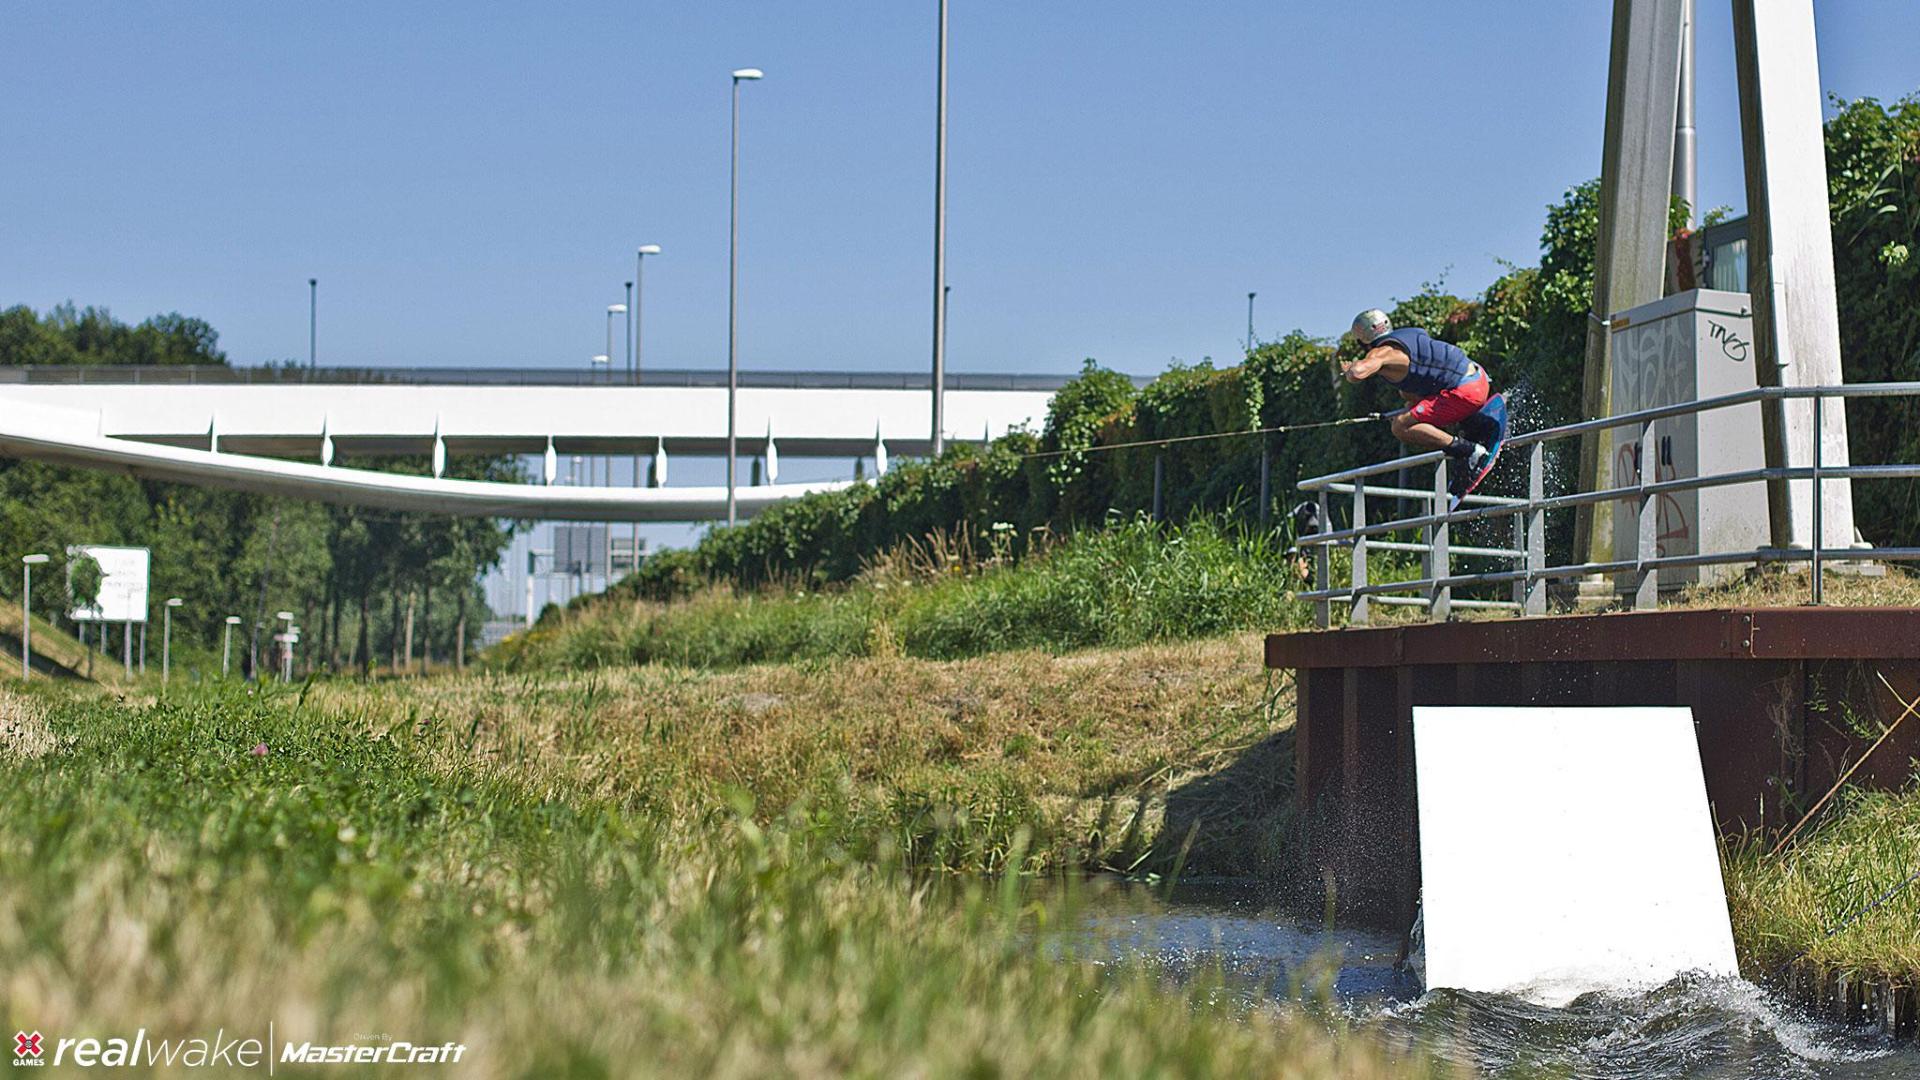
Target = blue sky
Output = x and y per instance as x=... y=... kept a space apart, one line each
x=468 y=182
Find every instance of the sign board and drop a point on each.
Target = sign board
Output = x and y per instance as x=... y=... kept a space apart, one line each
x=1566 y=850
x=123 y=584
x=580 y=549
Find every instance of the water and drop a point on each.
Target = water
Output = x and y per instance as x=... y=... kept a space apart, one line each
x=1719 y=1029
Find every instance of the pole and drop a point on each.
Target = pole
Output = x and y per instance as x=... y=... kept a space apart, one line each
x=1250 y=297
x=313 y=319
x=733 y=299
x=226 y=650
x=26 y=620
x=940 y=243
x=1685 y=164
x=629 y=307
x=166 y=645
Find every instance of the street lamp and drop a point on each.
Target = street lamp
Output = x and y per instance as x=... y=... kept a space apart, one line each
x=639 y=292
x=733 y=287
x=27 y=563
x=612 y=310
x=940 y=243
x=226 y=645
x=313 y=318
x=166 y=640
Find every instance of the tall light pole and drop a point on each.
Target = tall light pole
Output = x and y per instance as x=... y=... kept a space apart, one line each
x=612 y=310
x=27 y=563
x=639 y=302
x=166 y=640
x=1250 y=297
x=313 y=319
x=733 y=289
x=640 y=299
x=226 y=644
x=940 y=244
x=629 y=306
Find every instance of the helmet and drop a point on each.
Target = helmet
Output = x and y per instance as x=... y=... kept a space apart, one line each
x=1370 y=325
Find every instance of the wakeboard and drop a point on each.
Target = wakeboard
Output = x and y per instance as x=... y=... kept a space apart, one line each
x=1488 y=427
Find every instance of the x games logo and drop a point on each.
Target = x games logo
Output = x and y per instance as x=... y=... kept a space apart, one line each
x=26 y=1049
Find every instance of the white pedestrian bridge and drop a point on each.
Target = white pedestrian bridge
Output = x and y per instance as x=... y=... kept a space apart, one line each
x=295 y=432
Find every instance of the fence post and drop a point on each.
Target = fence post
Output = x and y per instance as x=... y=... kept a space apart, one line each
x=1159 y=463
x=1818 y=540
x=1266 y=481
x=1322 y=567
x=1439 y=565
x=1359 y=615
x=1535 y=600
x=1646 y=540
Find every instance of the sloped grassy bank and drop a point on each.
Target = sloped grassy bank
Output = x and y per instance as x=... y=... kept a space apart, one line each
x=1128 y=584
x=226 y=860
x=1101 y=758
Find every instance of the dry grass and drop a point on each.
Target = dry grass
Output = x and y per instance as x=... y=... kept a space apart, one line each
x=1082 y=750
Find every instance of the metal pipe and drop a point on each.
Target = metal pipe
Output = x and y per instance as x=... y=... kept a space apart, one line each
x=1818 y=438
x=940 y=243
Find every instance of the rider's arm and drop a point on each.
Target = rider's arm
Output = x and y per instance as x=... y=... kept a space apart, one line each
x=1366 y=366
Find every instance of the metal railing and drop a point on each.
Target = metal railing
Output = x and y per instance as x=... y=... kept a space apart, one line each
x=1529 y=572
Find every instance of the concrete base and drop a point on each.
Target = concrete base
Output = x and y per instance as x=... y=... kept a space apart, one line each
x=1765 y=686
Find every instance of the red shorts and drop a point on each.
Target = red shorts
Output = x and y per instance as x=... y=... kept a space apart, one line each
x=1449 y=407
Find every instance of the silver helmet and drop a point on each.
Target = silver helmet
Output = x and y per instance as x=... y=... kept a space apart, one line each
x=1370 y=325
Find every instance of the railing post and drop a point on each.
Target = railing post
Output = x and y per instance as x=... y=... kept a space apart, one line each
x=1818 y=540
x=1646 y=540
x=1359 y=615
x=1323 y=568
x=1534 y=602
x=1439 y=597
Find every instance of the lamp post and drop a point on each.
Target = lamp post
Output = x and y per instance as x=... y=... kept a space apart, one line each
x=612 y=310
x=27 y=563
x=733 y=288
x=639 y=298
x=940 y=243
x=226 y=644
x=313 y=318
x=598 y=360
x=1250 y=297
x=166 y=639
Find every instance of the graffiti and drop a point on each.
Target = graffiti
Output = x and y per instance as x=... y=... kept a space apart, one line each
x=1673 y=533
x=1732 y=345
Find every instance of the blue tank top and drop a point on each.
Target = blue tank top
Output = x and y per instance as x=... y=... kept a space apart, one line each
x=1432 y=365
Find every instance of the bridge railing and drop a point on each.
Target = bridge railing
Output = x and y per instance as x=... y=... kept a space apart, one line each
x=1527 y=571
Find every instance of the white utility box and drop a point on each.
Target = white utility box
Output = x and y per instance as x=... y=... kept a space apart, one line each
x=1687 y=347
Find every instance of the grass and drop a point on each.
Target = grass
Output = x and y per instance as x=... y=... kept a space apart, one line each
x=1133 y=583
x=1815 y=904
x=225 y=859
x=946 y=761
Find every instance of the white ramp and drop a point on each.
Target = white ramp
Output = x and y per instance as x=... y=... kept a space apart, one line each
x=1564 y=850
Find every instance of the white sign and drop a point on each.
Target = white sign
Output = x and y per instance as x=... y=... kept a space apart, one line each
x=123 y=584
x=1566 y=850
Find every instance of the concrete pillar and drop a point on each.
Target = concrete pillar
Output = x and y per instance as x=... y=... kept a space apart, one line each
x=1796 y=321
x=1636 y=176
